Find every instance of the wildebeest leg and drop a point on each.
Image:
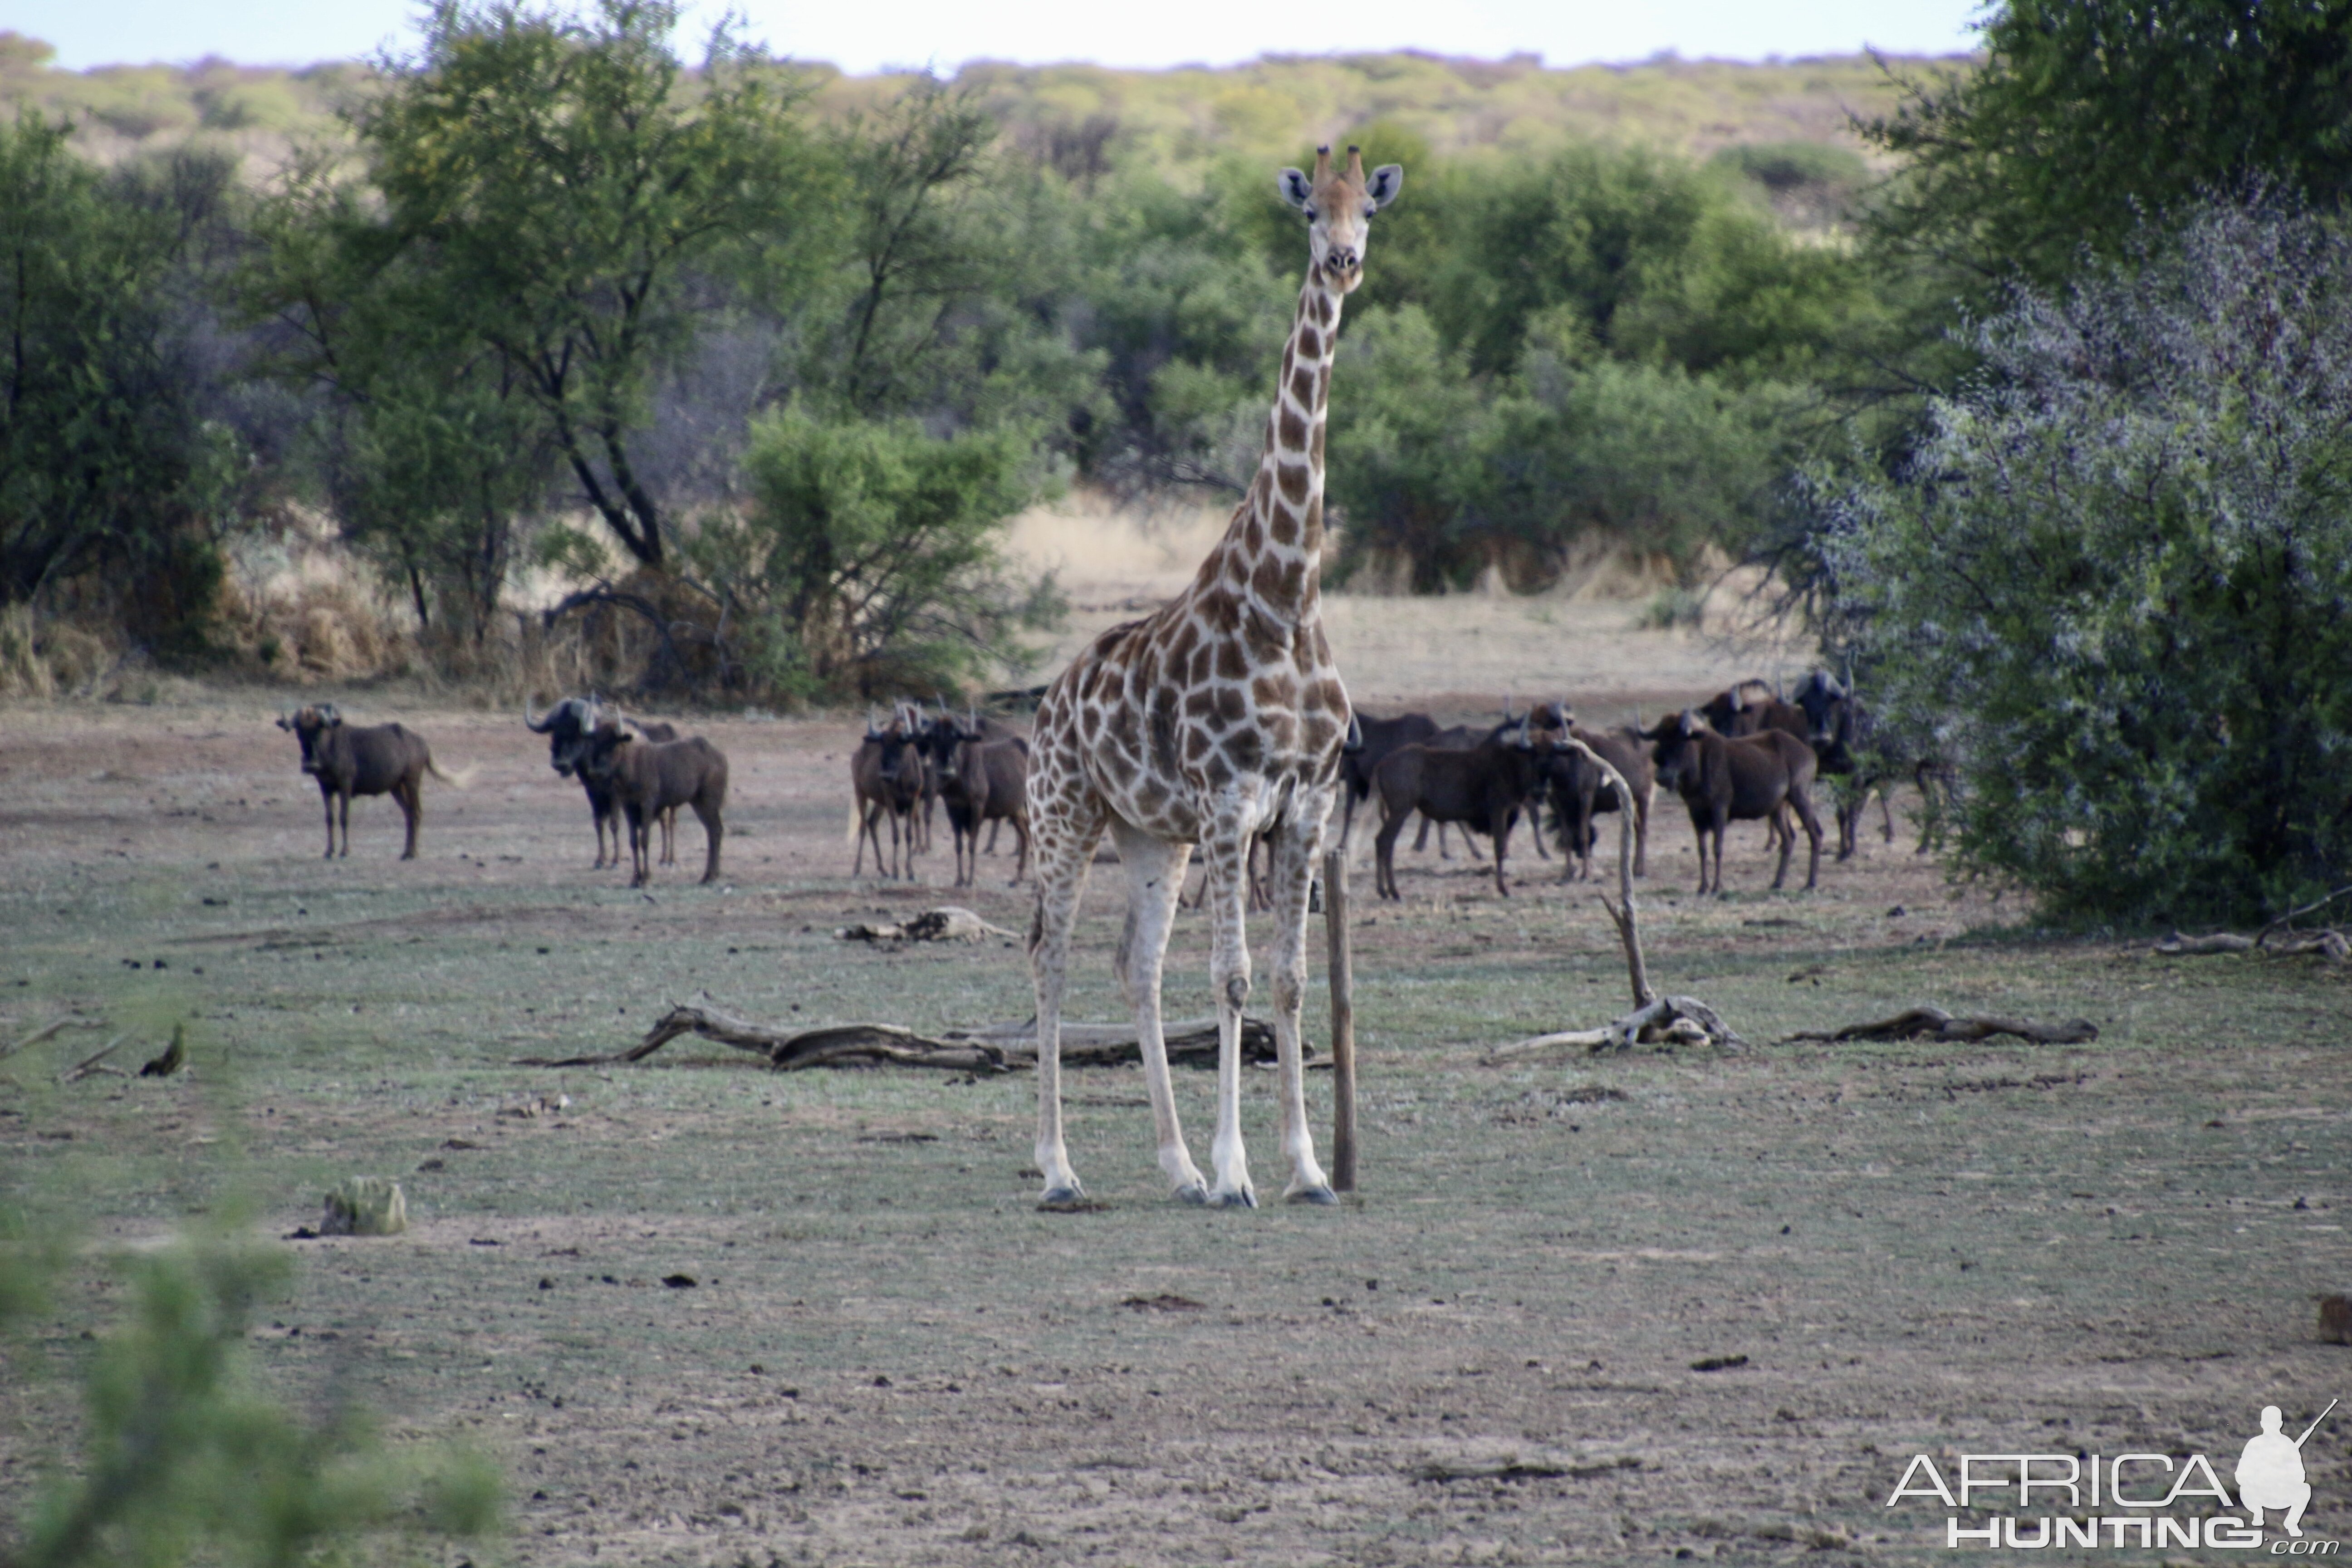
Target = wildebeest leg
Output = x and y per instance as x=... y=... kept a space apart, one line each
x=344 y=805
x=1295 y=852
x=1384 y=854
x=1803 y=806
x=714 y=828
x=641 y=849
x=411 y=797
x=992 y=835
x=1420 y=840
x=1155 y=879
x=1021 y=854
x=1700 y=822
x=327 y=797
x=669 y=836
x=1502 y=848
x=1886 y=810
x=1642 y=832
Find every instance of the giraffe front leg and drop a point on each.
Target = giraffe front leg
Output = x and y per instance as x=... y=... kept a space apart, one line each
x=1066 y=837
x=1226 y=854
x=1298 y=851
x=1155 y=880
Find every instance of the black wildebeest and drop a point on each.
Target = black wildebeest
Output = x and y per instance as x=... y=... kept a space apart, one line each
x=1722 y=780
x=885 y=776
x=982 y=781
x=376 y=759
x=1579 y=792
x=1381 y=736
x=649 y=777
x=1865 y=759
x=1484 y=788
x=567 y=727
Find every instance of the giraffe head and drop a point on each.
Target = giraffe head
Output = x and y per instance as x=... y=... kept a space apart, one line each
x=1340 y=204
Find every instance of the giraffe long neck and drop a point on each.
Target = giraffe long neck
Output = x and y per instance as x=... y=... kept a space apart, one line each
x=1275 y=545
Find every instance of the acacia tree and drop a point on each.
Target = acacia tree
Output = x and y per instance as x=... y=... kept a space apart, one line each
x=426 y=442
x=2116 y=578
x=570 y=192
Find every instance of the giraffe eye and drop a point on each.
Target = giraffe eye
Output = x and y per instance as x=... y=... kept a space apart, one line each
x=1311 y=215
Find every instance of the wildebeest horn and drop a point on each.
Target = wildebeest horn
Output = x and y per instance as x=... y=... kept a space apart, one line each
x=538 y=727
x=328 y=714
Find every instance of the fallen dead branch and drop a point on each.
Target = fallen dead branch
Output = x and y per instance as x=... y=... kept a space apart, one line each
x=947 y=923
x=1655 y=1019
x=994 y=1047
x=95 y=1063
x=50 y=1031
x=1514 y=1467
x=1926 y=1023
x=2275 y=941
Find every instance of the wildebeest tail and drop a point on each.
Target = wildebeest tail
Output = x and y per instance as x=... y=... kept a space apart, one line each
x=461 y=778
x=856 y=820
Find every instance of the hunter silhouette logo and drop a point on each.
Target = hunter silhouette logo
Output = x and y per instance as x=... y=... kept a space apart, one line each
x=2269 y=1472
x=2041 y=1500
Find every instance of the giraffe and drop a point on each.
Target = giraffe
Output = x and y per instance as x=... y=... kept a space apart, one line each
x=1218 y=718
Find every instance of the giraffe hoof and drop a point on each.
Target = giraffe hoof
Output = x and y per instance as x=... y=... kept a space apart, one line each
x=1072 y=1194
x=1320 y=1196
x=1239 y=1198
x=1193 y=1192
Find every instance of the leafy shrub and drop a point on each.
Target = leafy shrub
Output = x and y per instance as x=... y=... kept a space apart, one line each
x=869 y=563
x=185 y=1457
x=2118 y=579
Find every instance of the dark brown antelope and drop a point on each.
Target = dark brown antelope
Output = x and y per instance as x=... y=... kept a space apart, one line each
x=377 y=759
x=649 y=777
x=1724 y=780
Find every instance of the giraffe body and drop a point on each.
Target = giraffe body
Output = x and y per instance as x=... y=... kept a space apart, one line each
x=1216 y=719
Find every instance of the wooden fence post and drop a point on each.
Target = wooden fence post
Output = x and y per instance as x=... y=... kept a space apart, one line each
x=1343 y=1023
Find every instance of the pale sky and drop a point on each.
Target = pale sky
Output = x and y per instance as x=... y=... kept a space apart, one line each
x=944 y=33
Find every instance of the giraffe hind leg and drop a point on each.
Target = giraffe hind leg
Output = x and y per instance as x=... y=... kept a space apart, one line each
x=1064 y=839
x=1297 y=850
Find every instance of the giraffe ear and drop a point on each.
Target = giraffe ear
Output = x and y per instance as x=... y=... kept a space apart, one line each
x=1294 y=188
x=1386 y=182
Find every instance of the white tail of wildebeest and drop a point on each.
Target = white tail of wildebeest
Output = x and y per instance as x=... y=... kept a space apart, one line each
x=375 y=759
x=649 y=777
x=567 y=727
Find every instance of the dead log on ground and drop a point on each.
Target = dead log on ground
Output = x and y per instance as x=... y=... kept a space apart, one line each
x=993 y=1047
x=1927 y=1023
x=2274 y=942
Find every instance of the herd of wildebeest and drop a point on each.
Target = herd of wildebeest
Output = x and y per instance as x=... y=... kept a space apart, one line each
x=1746 y=754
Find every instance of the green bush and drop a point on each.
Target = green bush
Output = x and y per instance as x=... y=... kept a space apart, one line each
x=185 y=1456
x=868 y=563
x=2116 y=581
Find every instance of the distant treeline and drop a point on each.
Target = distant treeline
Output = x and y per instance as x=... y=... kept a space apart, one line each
x=797 y=365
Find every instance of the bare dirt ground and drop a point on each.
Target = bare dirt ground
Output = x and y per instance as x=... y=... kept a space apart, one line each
x=888 y=1354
